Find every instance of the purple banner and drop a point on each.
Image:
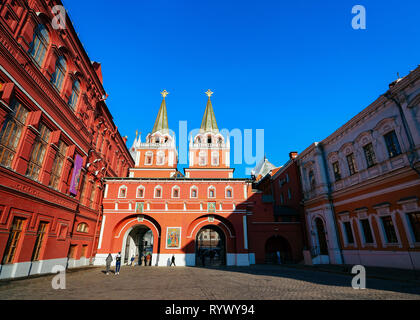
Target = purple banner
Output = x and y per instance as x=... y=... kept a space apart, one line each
x=75 y=179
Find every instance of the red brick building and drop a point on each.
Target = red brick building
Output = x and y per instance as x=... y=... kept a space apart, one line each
x=203 y=217
x=200 y=217
x=57 y=143
x=277 y=223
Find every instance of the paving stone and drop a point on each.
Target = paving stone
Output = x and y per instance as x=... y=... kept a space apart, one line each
x=260 y=282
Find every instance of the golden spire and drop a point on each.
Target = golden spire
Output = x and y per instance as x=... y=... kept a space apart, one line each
x=164 y=93
x=209 y=93
x=209 y=119
x=161 y=123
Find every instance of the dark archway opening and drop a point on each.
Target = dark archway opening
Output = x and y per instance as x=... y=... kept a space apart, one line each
x=139 y=244
x=210 y=248
x=278 y=251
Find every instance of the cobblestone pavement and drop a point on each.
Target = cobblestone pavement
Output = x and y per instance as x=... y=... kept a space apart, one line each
x=188 y=283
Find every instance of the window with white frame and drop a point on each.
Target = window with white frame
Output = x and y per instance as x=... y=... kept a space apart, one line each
x=158 y=192
x=140 y=192
x=389 y=229
x=369 y=155
x=229 y=192
x=348 y=232
x=148 y=158
x=414 y=218
x=392 y=144
x=194 y=192
x=160 y=158
x=122 y=192
x=215 y=158
x=202 y=158
x=212 y=192
x=175 y=192
x=366 y=231
x=351 y=162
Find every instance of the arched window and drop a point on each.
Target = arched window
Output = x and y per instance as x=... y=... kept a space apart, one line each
x=160 y=158
x=209 y=141
x=175 y=192
x=122 y=193
x=140 y=192
x=215 y=158
x=149 y=158
x=202 y=158
x=229 y=192
x=194 y=192
x=83 y=227
x=39 y=45
x=57 y=77
x=212 y=192
x=75 y=93
x=158 y=192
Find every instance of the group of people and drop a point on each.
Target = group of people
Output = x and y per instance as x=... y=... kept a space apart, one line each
x=108 y=261
x=145 y=260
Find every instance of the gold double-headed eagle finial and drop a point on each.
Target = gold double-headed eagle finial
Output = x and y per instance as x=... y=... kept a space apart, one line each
x=209 y=93
x=164 y=93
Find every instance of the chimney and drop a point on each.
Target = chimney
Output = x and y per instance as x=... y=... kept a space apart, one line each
x=293 y=155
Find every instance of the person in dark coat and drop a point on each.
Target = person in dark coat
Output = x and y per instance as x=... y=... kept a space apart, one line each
x=108 y=263
x=118 y=263
x=173 y=261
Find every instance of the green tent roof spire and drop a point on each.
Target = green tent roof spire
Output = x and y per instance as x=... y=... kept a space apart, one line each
x=209 y=119
x=161 y=123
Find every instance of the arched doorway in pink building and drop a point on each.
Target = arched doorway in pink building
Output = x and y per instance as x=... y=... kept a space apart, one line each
x=138 y=243
x=278 y=250
x=137 y=235
x=210 y=247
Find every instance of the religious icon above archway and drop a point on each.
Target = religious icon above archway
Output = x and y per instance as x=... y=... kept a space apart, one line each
x=173 y=236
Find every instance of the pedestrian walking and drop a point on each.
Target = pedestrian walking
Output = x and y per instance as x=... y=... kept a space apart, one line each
x=173 y=261
x=118 y=263
x=148 y=259
x=132 y=261
x=108 y=261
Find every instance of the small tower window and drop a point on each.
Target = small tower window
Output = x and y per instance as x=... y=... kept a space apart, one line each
x=203 y=158
x=160 y=158
x=209 y=139
x=149 y=158
x=123 y=192
x=215 y=159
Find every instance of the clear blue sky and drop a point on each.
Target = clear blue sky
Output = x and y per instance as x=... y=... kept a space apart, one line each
x=296 y=68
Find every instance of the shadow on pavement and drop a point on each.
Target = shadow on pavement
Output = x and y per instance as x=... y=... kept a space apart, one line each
x=326 y=277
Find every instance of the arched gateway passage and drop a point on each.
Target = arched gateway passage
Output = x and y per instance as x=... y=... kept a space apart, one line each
x=139 y=243
x=210 y=247
x=278 y=250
